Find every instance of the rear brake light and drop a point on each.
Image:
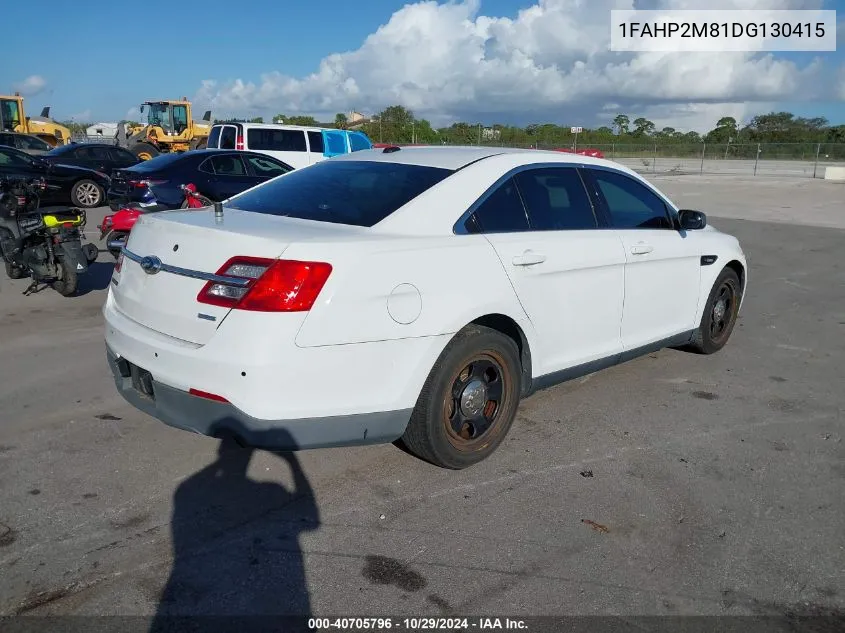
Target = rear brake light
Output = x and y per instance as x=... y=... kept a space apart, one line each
x=206 y=395
x=67 y=225
x=239 y=142
x=143 y=184
x=273 y=285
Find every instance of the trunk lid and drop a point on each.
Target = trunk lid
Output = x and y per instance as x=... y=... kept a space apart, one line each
x=194 y=241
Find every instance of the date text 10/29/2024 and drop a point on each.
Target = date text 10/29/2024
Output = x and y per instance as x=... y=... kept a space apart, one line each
x=417 y=624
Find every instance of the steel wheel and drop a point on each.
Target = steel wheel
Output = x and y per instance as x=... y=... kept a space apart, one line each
x=723 y=312
x=469 y=400
x=719 y=315
x=472 y=407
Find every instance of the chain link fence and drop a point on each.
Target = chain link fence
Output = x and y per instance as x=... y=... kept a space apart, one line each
x=662 y=156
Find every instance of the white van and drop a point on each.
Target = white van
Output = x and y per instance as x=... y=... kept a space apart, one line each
x=296 y=145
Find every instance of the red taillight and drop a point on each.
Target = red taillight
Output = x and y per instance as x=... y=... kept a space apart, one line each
x=239 y=142
x=67 y=225
x=206 y=395
x=143 y=184
x=275 y=285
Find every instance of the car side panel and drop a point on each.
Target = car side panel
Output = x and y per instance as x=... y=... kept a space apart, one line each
x=385 y=289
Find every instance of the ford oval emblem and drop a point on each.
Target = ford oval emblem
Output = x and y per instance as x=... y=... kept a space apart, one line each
x=151 y=264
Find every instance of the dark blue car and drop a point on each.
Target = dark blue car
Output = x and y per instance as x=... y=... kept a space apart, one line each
x=217 y=174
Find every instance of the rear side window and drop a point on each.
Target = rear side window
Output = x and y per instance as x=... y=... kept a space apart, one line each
x=556 y=199
x=358 y=141
x=501 y=212
x=360 y=193
x=269 y=139
x=228 y=165
x=631 y=205
x=214 y=137
x=265 y=167
x=315 y=141
x=228 y=137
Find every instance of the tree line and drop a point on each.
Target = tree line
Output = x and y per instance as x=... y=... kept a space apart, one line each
x=397 y=124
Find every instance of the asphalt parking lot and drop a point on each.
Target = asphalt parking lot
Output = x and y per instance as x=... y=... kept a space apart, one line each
x=714 y=484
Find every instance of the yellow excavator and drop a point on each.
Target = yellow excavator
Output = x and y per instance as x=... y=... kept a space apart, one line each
x=169 y=128
x=14 y=119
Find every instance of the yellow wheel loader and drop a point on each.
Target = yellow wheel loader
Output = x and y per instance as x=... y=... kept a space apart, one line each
x=14 y=119
x=169 y=128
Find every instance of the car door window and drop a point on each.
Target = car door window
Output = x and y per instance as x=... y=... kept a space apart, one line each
x=631 y=205
x=11 y=159
x=33 y=143
x=228 y=165
x=214 y=137
x=227 y=138
x=358 y=141
x=121 y=156
x=100 y=154
x=501 y=212
x=83 y=153
x=263 y=167
x=556 y=199
x=315 y=142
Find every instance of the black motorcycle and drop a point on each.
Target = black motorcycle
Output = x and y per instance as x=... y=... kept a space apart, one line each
x=46 y=246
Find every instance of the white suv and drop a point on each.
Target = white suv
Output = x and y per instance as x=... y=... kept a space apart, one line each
x=296 y=145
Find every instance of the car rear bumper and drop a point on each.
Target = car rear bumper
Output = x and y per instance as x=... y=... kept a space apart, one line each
x=184 y=410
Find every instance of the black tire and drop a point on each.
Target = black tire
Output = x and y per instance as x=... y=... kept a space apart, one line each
x=13 y=272
x=717 y=323
x=472 y=356
x=87 y=194
x=206 y=202
x=144 y=151
x=66 y=286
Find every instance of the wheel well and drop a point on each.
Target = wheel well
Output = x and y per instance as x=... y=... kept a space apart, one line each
x=735 y=266
x=510 y=328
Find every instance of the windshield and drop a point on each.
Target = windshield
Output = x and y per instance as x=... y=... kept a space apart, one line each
x=9 y=114
x=159 y=115
x=62 y=149
x=360 y=193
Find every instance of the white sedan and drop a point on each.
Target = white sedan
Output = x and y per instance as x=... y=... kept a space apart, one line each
x=414 y=293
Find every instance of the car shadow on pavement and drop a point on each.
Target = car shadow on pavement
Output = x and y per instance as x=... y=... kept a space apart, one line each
x=97 y=278
x=237 y=561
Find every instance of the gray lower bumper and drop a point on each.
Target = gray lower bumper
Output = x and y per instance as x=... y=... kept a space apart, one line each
x=185 y=411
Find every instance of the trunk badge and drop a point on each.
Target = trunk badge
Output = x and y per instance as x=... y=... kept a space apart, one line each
x=150 y=264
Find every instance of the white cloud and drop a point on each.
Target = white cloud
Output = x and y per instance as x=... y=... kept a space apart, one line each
x=31 y=86
x=551 y=62
x=133 y=114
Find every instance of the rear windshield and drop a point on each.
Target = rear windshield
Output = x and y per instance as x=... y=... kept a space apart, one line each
x=360 y=193
x=62 y=149
x=159 y=162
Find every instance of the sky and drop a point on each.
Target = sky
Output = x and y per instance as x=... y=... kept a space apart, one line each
x=480 y=61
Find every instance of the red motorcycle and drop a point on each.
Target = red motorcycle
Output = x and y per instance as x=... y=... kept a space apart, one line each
x=116 y=227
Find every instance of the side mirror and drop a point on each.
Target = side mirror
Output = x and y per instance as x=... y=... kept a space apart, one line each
x=692 y=220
